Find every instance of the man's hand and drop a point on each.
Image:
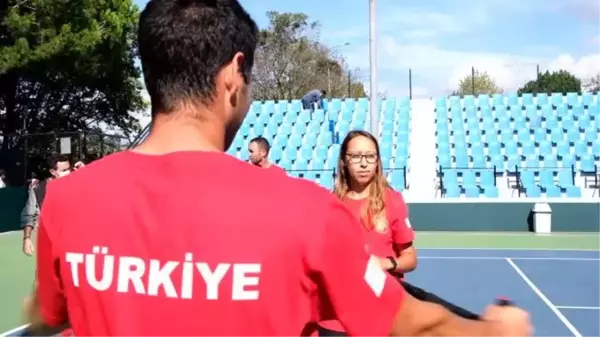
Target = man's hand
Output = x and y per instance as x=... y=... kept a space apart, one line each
x=78 y=165
x=37 y=327
x=511 y=321
x=385 y=263
x=28 y=247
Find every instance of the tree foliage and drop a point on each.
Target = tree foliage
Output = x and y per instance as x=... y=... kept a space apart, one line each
x=479 y=84
x=593 y=85
x=67 y=65
x=291 y=61
x=556 y=82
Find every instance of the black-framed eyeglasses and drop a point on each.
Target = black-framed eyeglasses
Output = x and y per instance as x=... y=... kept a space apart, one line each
x=356 y=158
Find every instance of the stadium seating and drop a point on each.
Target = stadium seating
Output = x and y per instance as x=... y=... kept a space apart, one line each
x=543 y=141
x=499 y=146
x=306 y=144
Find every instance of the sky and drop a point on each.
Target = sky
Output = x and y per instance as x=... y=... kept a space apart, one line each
x=440 y=40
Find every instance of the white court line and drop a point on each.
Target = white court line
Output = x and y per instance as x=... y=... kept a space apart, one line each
x=576 y=307
x=523 y=234
x=504 y=258
x=9 y=332
x=516 y=249
x=544 y=299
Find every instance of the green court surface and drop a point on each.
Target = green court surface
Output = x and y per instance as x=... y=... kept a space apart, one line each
x=18 y=270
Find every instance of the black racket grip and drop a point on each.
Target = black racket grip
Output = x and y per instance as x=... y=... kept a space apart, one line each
x=504 y=302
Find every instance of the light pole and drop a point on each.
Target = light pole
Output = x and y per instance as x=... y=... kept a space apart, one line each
x=373 y=65
x=329 y=67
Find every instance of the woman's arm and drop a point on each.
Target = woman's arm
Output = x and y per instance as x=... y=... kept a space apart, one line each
x=406 y=259
x=402 y=236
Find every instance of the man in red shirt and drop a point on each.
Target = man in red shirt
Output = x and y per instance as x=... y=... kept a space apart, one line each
x=159 y=258
x=259 y=148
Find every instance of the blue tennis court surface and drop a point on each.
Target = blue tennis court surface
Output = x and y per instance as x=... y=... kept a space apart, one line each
x=560 y=288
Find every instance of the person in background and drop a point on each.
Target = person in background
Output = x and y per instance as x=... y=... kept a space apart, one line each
x=205 y=265
x=259 y=148
x=313 y=97
x=60 y=166
x=363 y=188
x=2 y=178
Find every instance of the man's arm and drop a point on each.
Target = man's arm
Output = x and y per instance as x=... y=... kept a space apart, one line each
x=37 y=327
x=419 y=318
x=365 y=299
x=29 y=218
x=30 y=214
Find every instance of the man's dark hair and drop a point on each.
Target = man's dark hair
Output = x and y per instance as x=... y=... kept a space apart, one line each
x=323 y=92
x=59 y=158
x=262 y=142
x=183 y=45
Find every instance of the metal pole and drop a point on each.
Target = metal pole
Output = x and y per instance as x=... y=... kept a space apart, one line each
x=329 y=81
x=409 y=83
x=373 y=65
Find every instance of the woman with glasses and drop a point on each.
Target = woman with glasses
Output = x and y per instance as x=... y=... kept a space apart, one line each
x=362 y=187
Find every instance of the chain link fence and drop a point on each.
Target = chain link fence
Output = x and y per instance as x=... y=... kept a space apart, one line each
x=23 y=156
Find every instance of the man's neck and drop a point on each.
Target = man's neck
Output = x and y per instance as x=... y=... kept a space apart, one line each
x=173 y=134
x=265 y=164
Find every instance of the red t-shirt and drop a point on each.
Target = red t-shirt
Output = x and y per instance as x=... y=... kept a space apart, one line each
x=381 y=244
x=277 y=169
x=400 y=231
x=200 y=243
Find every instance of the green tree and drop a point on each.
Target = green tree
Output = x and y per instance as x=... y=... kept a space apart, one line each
x=290 y=61
x=479 y=84
x=67 y=65
x=556 y=82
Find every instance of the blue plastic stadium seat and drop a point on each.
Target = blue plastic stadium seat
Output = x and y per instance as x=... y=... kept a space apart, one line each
x=587 y=98
x=557 y=98
x=573 y=192
x=300 y=164
x=533 y=191
x=487 y=178
x=542 y=99
x=527 y=178
x=552 y=191
x=397 y=179
x=498 y=99
x=565 y=178
x=285 y=163
x=472 y=192
x=498 y=163
x=513 y=162
x=317 y=164
x=326 y=180
x=550 y=162
x=546 y=178
x=469 y=179
x=587 y=164
x=527 y=99
x=452 y=191
x=490 y=191
x=596 y=149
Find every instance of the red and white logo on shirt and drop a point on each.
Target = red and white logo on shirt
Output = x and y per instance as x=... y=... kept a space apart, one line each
x=375 y=276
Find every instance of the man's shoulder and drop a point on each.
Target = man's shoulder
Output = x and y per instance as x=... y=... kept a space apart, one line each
x=304 y=195
x=95 y=172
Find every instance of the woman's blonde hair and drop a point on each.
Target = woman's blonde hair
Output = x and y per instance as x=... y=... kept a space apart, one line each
x=373 y=213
